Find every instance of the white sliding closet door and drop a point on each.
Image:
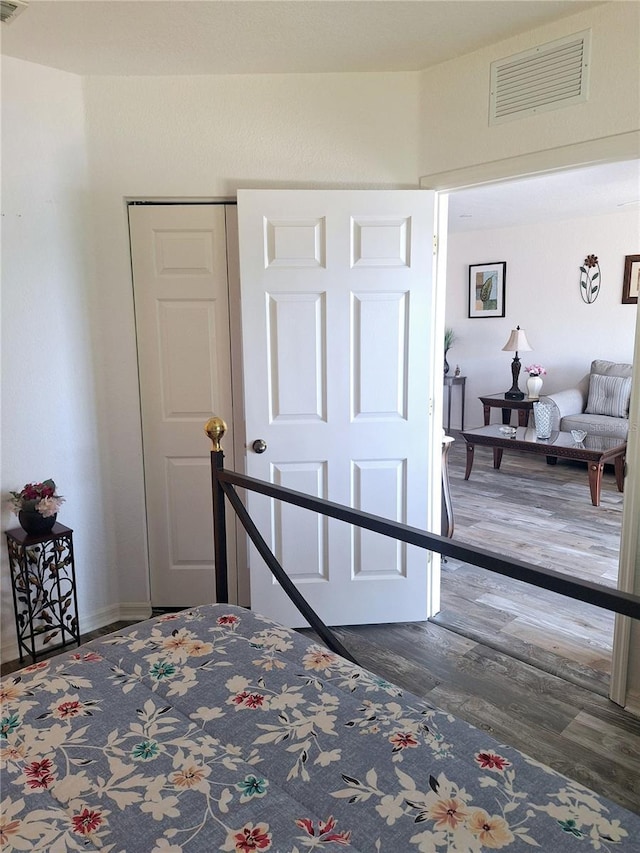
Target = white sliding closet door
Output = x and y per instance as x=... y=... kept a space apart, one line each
x=179 y=258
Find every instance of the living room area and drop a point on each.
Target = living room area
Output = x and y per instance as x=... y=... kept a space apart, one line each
x=535 y=236
x=541 y=229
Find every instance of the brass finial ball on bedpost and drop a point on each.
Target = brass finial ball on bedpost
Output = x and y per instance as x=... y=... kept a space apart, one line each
x=215 y=428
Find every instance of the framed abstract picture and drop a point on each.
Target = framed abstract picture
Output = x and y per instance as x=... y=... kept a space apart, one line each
x=631 y=280
x=487 y=289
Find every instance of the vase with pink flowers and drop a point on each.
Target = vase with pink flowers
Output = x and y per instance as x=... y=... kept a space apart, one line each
x=534 y=381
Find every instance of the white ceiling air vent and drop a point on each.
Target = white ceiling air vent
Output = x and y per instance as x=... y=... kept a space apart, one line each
x=10 y=8
x=547 y=77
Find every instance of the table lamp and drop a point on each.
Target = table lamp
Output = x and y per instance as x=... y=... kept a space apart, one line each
x=517 y=343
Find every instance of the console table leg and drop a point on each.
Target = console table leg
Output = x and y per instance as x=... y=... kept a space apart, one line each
x=497 y=457
x=619 y=469
x=470 y=449
x=595 y=481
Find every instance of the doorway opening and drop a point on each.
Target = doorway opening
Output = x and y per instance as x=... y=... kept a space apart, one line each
x=542 y=227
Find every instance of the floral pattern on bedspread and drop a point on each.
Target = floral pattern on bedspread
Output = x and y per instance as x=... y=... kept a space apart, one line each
x=216 y=729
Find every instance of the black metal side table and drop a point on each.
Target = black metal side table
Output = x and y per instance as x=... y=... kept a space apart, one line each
x=44 y=590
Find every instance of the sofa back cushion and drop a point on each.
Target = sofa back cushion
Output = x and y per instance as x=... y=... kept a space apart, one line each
x=611 y=368
x=609 y=395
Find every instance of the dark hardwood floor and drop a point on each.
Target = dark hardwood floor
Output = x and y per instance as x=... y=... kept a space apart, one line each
x=528 y=667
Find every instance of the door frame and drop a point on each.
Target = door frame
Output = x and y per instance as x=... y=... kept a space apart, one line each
x=629 y=566
x=607 y=149
x=241 y=591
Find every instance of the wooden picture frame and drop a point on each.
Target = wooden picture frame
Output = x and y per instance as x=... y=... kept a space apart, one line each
x=487 y=285
x=631 y=280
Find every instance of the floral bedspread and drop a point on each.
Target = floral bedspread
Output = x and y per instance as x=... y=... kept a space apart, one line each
x=216 y=729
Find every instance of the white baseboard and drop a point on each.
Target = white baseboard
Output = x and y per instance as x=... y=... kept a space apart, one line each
x=633 y=703
x=125 y=611
x=134 y=611
x=10 y=652
x=99 y=618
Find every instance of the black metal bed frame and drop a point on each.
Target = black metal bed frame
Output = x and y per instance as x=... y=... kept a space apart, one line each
x=223 y=484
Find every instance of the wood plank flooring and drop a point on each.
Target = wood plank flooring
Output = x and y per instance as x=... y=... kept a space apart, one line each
x=540 y=513
x=572 y=729
x=528 y=667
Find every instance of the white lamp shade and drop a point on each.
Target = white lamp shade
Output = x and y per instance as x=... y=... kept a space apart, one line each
x=517 y=342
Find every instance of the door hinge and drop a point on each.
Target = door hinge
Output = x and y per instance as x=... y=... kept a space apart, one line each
x=435 y=244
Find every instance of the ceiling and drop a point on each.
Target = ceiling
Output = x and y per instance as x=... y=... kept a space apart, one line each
x=190 y=37
x=147 y=37
x=594 y=190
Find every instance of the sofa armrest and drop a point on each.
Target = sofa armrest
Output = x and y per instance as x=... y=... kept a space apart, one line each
x=570 y=402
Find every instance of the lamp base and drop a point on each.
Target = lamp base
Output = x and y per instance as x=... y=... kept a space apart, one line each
x=514 y=393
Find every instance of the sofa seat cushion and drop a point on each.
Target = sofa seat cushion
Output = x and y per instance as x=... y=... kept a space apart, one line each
x=601 y=425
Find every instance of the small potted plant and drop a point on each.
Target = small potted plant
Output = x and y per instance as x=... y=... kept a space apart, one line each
x=449 y=338
x=36 y=506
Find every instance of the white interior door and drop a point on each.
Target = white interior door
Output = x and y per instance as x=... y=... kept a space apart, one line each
x=337 y=319
x=179 y=259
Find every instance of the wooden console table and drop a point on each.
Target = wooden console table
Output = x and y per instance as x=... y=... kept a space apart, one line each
x=449 y=383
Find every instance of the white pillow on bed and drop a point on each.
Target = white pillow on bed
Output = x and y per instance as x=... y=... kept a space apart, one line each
x=609 y=395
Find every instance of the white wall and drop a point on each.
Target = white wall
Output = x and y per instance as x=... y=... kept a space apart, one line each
x=50 y=417
x=543 y=297
x=455 y=95
x=204 y=137
x=72 y=411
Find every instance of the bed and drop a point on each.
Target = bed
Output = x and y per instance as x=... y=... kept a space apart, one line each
x=217 y=729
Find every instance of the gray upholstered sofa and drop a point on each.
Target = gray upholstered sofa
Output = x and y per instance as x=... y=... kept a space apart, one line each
x=599 y=403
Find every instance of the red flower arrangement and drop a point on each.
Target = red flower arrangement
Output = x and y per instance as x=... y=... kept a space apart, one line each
x=40 y=497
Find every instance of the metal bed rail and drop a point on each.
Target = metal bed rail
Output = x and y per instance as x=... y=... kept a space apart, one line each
x=224 y=482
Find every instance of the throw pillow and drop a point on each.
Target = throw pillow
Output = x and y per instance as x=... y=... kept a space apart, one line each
x=609 y=395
